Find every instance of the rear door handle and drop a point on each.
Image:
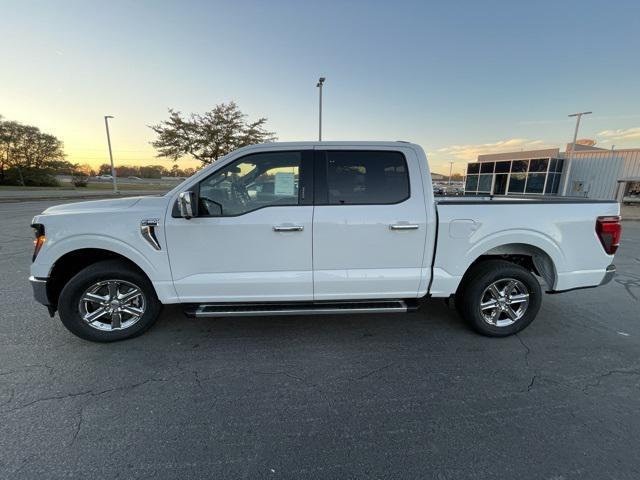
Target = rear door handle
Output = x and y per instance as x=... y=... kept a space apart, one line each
x=404 y=226
x=288 y=228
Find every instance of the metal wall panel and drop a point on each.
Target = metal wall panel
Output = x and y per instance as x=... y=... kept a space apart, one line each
x=599 y=171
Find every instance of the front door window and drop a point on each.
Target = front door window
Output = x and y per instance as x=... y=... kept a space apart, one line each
x=255 y=181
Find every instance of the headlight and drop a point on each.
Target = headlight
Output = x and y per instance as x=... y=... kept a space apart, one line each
x=38 y=229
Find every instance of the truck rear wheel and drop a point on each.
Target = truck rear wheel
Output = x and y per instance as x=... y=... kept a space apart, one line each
x=108 y=301
x=499 y=298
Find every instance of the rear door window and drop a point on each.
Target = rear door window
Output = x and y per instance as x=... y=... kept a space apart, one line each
x=363 y=177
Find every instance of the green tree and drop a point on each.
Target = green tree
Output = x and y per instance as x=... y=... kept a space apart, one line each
x=33 y=156
x=104 y=169
x=208 y=136
x=152 y=171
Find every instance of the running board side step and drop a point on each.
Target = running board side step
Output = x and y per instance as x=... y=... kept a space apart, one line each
x=296 y=308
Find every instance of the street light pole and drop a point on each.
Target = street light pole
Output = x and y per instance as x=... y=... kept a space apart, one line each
x=450 y=169
x=567 y=170
x=319 y=85
x=113 y=169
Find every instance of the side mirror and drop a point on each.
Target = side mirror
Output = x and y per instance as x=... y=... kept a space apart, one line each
x=187 y=204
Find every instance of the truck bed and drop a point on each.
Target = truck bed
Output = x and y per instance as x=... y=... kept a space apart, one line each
x=558 y=233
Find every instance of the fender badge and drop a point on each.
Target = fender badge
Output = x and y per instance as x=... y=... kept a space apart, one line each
x=149 y=222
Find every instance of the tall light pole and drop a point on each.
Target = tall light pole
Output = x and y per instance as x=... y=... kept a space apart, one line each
x=113 y=169
x=319 y=85
x=567 y=169
x=450 y=169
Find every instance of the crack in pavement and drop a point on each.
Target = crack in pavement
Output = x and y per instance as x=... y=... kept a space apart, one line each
x=608 y=374
x=286 y=374
x=526 y=348
x=195 y=374
x=533 y=380
x=373 y=372
x=78 y=427
x=632 y=281
x=316 y=386
x=527 y=351
x=24 y=464
x=11 y=395
x=27 y=367
x=90 y=392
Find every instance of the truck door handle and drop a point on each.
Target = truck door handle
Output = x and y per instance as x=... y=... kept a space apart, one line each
x=288 y=228
x=404 y=226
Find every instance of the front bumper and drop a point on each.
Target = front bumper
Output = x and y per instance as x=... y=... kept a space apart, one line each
x=39 y=286
x=608 y=276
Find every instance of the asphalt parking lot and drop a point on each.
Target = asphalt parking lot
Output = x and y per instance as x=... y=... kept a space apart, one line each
x=378 y=396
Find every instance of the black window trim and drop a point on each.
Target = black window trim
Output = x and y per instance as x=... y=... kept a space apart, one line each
x=321 y=187
x=305 y=185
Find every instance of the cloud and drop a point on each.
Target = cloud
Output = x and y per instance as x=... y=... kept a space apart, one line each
x=621 y=134
x=470 y=152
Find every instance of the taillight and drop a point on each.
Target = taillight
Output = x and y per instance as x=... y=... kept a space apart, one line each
x=609 y=231
x=38 y=229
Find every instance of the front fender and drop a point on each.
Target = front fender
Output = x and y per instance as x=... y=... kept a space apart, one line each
x=58 y=248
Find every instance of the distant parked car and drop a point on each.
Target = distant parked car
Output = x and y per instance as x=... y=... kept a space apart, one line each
x=104 y=177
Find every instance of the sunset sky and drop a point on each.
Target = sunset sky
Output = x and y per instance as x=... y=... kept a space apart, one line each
x=459 y=78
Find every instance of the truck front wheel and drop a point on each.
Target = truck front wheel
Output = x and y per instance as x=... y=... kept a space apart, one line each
x=108 y=301
x=499 y=298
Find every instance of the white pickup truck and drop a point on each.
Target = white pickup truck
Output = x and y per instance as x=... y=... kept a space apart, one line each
x=315 y=228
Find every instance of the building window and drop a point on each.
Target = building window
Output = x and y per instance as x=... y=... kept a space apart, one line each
x=484 y=184
x=487 y=167
x=517 y=182
x=503 y=167
x=518 y=166
x=539 y=165
x=559 y=164
x=473 y=168
x=471 y=185
x=537 y=176
x=553 y=181
x=500 y=185
x=535 y=182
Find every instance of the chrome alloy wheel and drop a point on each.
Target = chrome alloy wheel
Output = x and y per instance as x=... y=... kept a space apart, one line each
x=504 y=302
x=112 y=305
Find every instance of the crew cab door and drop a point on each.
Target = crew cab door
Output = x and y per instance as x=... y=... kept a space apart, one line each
x=369 y=224
x=251 y=238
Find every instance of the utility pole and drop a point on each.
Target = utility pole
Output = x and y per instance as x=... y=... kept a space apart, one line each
x=319 y=85
x=113 y=169
x=567 y=169
x=450 y=169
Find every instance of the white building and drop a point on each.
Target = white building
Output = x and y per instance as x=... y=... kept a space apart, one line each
x=594 y=173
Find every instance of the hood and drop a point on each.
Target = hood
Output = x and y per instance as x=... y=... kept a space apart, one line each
x=93 y=206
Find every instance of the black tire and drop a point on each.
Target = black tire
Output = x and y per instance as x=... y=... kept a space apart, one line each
x=482 y=275
x=69 y=308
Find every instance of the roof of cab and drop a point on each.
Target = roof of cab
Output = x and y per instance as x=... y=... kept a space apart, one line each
x=342 y=143
x=332 y=143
